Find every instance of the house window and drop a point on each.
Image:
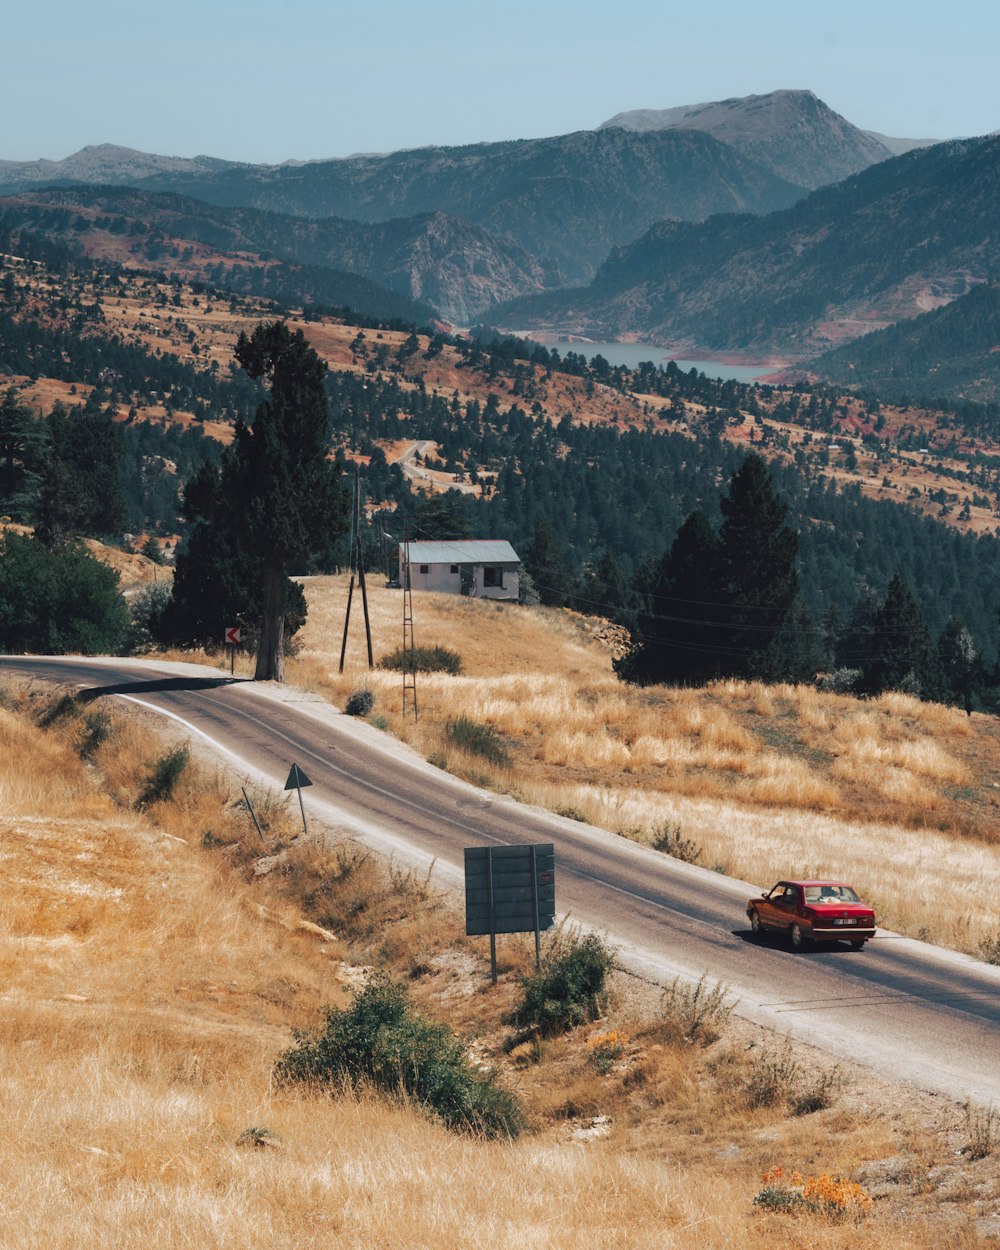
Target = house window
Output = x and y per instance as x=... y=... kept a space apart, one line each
x=424 y=568
x=492 y=576
x=454 y=568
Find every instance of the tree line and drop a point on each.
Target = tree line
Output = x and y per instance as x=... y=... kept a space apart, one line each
x=596 y=511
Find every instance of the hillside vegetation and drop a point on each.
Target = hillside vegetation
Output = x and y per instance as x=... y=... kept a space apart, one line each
x=156 y=955
x=953 y=351
x=762 y=781
x=433 y=261
x=609 y=460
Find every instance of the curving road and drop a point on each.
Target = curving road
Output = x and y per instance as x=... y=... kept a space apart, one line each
x=903 y=1008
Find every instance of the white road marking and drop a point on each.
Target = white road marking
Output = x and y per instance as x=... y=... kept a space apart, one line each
x=162 y=711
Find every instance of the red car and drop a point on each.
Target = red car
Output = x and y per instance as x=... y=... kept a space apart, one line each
x=813 y=911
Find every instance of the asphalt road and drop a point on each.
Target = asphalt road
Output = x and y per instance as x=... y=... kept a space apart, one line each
x=903 y=1008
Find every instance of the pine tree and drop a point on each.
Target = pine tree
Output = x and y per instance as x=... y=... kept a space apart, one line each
x=960 y=664
x=797 y=652
x=23 y=447
x=547 y=564
x=444 y=516
x=606 y=591
x=757 y=578
x=677 y=635
x=81 y=488
x=904 y=657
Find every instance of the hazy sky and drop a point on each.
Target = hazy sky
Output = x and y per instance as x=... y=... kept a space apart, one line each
x=265 y=82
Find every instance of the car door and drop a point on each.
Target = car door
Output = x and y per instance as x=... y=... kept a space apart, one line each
x=785 y=902
x=769 y=907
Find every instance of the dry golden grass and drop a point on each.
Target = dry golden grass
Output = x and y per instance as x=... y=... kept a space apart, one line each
x=148 y=988
x=769 y=781
x=134 y=570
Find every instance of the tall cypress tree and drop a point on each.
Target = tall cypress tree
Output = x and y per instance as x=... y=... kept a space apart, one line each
x=285 y=488
x=275 y=500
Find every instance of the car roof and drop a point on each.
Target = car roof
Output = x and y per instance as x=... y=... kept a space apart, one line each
x=788 y=881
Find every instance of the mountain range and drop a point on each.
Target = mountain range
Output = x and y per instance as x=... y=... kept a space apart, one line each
x=435 y=259
x=766 y=225
x=567 y=200
x=896 y=240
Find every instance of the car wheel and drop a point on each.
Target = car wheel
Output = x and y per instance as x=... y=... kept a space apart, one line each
x=755 y=925
x=798 y=938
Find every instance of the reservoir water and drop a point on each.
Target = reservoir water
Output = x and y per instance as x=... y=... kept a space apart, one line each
x=632 y=354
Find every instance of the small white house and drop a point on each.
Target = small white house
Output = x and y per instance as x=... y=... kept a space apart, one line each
x=482 y=568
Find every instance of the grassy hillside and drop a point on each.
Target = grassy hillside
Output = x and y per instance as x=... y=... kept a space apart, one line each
x=156 y=957
x=765 y=781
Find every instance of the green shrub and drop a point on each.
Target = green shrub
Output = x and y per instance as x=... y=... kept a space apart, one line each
x=360 y=703
x=696 y=1013
x=983 y=1126
x=670 y=841
x=569 y=990
x=161 y=782
x=146 y=612
x=478 y=739
x=773 y=1076
x=380 y=1042
x=819 y=1095
x=96 y=731
x=783 y=1201
x=423 y=660
x=58 y=600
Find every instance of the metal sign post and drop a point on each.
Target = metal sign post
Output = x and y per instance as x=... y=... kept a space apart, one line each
x=231 y=639
x=492 y=916
x=296 y=780
x=253 y=814
x=510 y=889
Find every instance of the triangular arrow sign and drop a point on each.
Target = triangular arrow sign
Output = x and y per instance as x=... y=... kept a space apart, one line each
x=296 y=779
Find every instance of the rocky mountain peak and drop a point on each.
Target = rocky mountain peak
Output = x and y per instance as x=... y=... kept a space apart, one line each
x=790 y=132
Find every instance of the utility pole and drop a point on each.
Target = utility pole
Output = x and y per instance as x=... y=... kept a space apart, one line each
x=364 y=588
x=350 y=564
x=409 y=656
x=357 y=561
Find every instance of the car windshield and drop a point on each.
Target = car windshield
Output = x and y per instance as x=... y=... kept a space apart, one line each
x=831 y=894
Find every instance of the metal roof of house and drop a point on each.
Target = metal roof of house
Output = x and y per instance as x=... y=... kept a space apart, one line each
x=464 y=551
